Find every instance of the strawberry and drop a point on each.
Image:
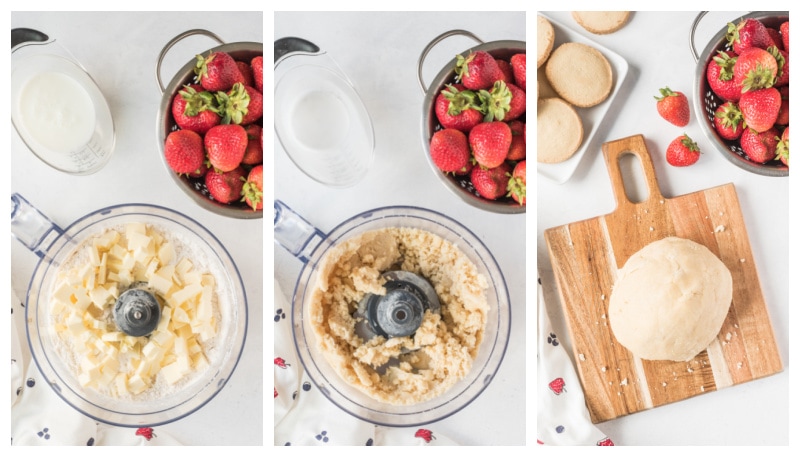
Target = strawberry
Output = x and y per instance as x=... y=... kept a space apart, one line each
x=782 y=148
x=719 y=75
x=225 y=187
x=246 y=71
x=194 y=109
x=477 y=71
x=517 y=103
x=225 y=146
x=518 y=66
x=255 y=109
x=490 y=142
x=755 y=68
x=748 y=33
x=257 y=64
x=673 y=106
x=240 y=105
x=505 y=70
x=456 y=108
x=783 y=113
x=200 y=172
x=775 y=36
x=682 y=152
x=254 y=154
x=183 y=151
x=760 y=108
x=784 y=29
x=449 y=150
x=516 y=183
x=491 y=183
x=782 y=58
x=728 y=121
x=760 y=147
x=253 y=188
x=517 y=149
x=504 y=102
x=217 y=71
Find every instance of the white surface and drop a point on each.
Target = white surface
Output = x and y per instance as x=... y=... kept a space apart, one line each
x=755 y=413
x=593 y=118
x=381 y=60
x=125 y=72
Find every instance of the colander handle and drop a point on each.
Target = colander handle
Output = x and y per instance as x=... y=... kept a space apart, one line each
x=175 y=41
x=692 y=31
x=430 y=46
x=32 y=228
x=294 y=233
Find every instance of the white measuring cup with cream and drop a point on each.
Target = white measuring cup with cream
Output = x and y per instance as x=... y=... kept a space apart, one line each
x=57 y=108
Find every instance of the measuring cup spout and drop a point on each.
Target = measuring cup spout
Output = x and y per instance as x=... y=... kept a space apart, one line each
x=32 y=228
x=294 y=233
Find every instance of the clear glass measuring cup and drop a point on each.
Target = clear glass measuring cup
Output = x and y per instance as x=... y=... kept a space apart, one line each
x=56 y=107
x=320 y=120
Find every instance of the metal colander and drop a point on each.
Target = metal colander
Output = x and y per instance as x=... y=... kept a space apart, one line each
x=706 y=101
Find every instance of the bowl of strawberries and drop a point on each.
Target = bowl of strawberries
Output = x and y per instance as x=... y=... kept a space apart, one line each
x=209 y=127
x=473 y=126
x=742 y=92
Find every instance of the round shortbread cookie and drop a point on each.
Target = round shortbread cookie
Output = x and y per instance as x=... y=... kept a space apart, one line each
x=545 y=36
x=670 y=300
x=580 y=74
x=545 y=89
x=601 y=22
x=559 y=130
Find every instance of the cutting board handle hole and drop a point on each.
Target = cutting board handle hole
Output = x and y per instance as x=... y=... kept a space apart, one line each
x=633 y=180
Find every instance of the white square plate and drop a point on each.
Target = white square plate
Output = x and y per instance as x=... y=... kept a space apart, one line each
x=592 y=117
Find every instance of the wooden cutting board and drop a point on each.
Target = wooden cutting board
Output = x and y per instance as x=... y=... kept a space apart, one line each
x=586 y=256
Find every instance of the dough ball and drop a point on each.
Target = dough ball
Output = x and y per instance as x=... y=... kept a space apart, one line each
x=670 y=300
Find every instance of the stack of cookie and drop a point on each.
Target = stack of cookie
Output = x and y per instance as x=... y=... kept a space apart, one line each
x=570 y=76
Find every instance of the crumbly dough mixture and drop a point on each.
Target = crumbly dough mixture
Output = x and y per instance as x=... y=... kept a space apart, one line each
x=442 y=350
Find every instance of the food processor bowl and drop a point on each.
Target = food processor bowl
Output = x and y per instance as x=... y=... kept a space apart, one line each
x=56 y=246
x=311 y=245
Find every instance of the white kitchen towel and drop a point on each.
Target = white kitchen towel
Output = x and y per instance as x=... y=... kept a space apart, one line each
x=40 y=417
x=562 y=418
x=304 y=416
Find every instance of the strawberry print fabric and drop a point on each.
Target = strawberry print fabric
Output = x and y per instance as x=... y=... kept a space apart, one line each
x=305 y=417
x=562 y=415
x=40 y=418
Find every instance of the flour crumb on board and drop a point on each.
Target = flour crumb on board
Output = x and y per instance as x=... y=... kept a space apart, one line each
x=661 y=201
x=582 y=357
x=651 y=229
x=728 y=336
x=741 y=260
x=663 y=384
x=739 y=365
x=702 y=388
x=602 y=296
x=719 y=228
x=689 y=370
x=603 y=369
x=624 y=382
